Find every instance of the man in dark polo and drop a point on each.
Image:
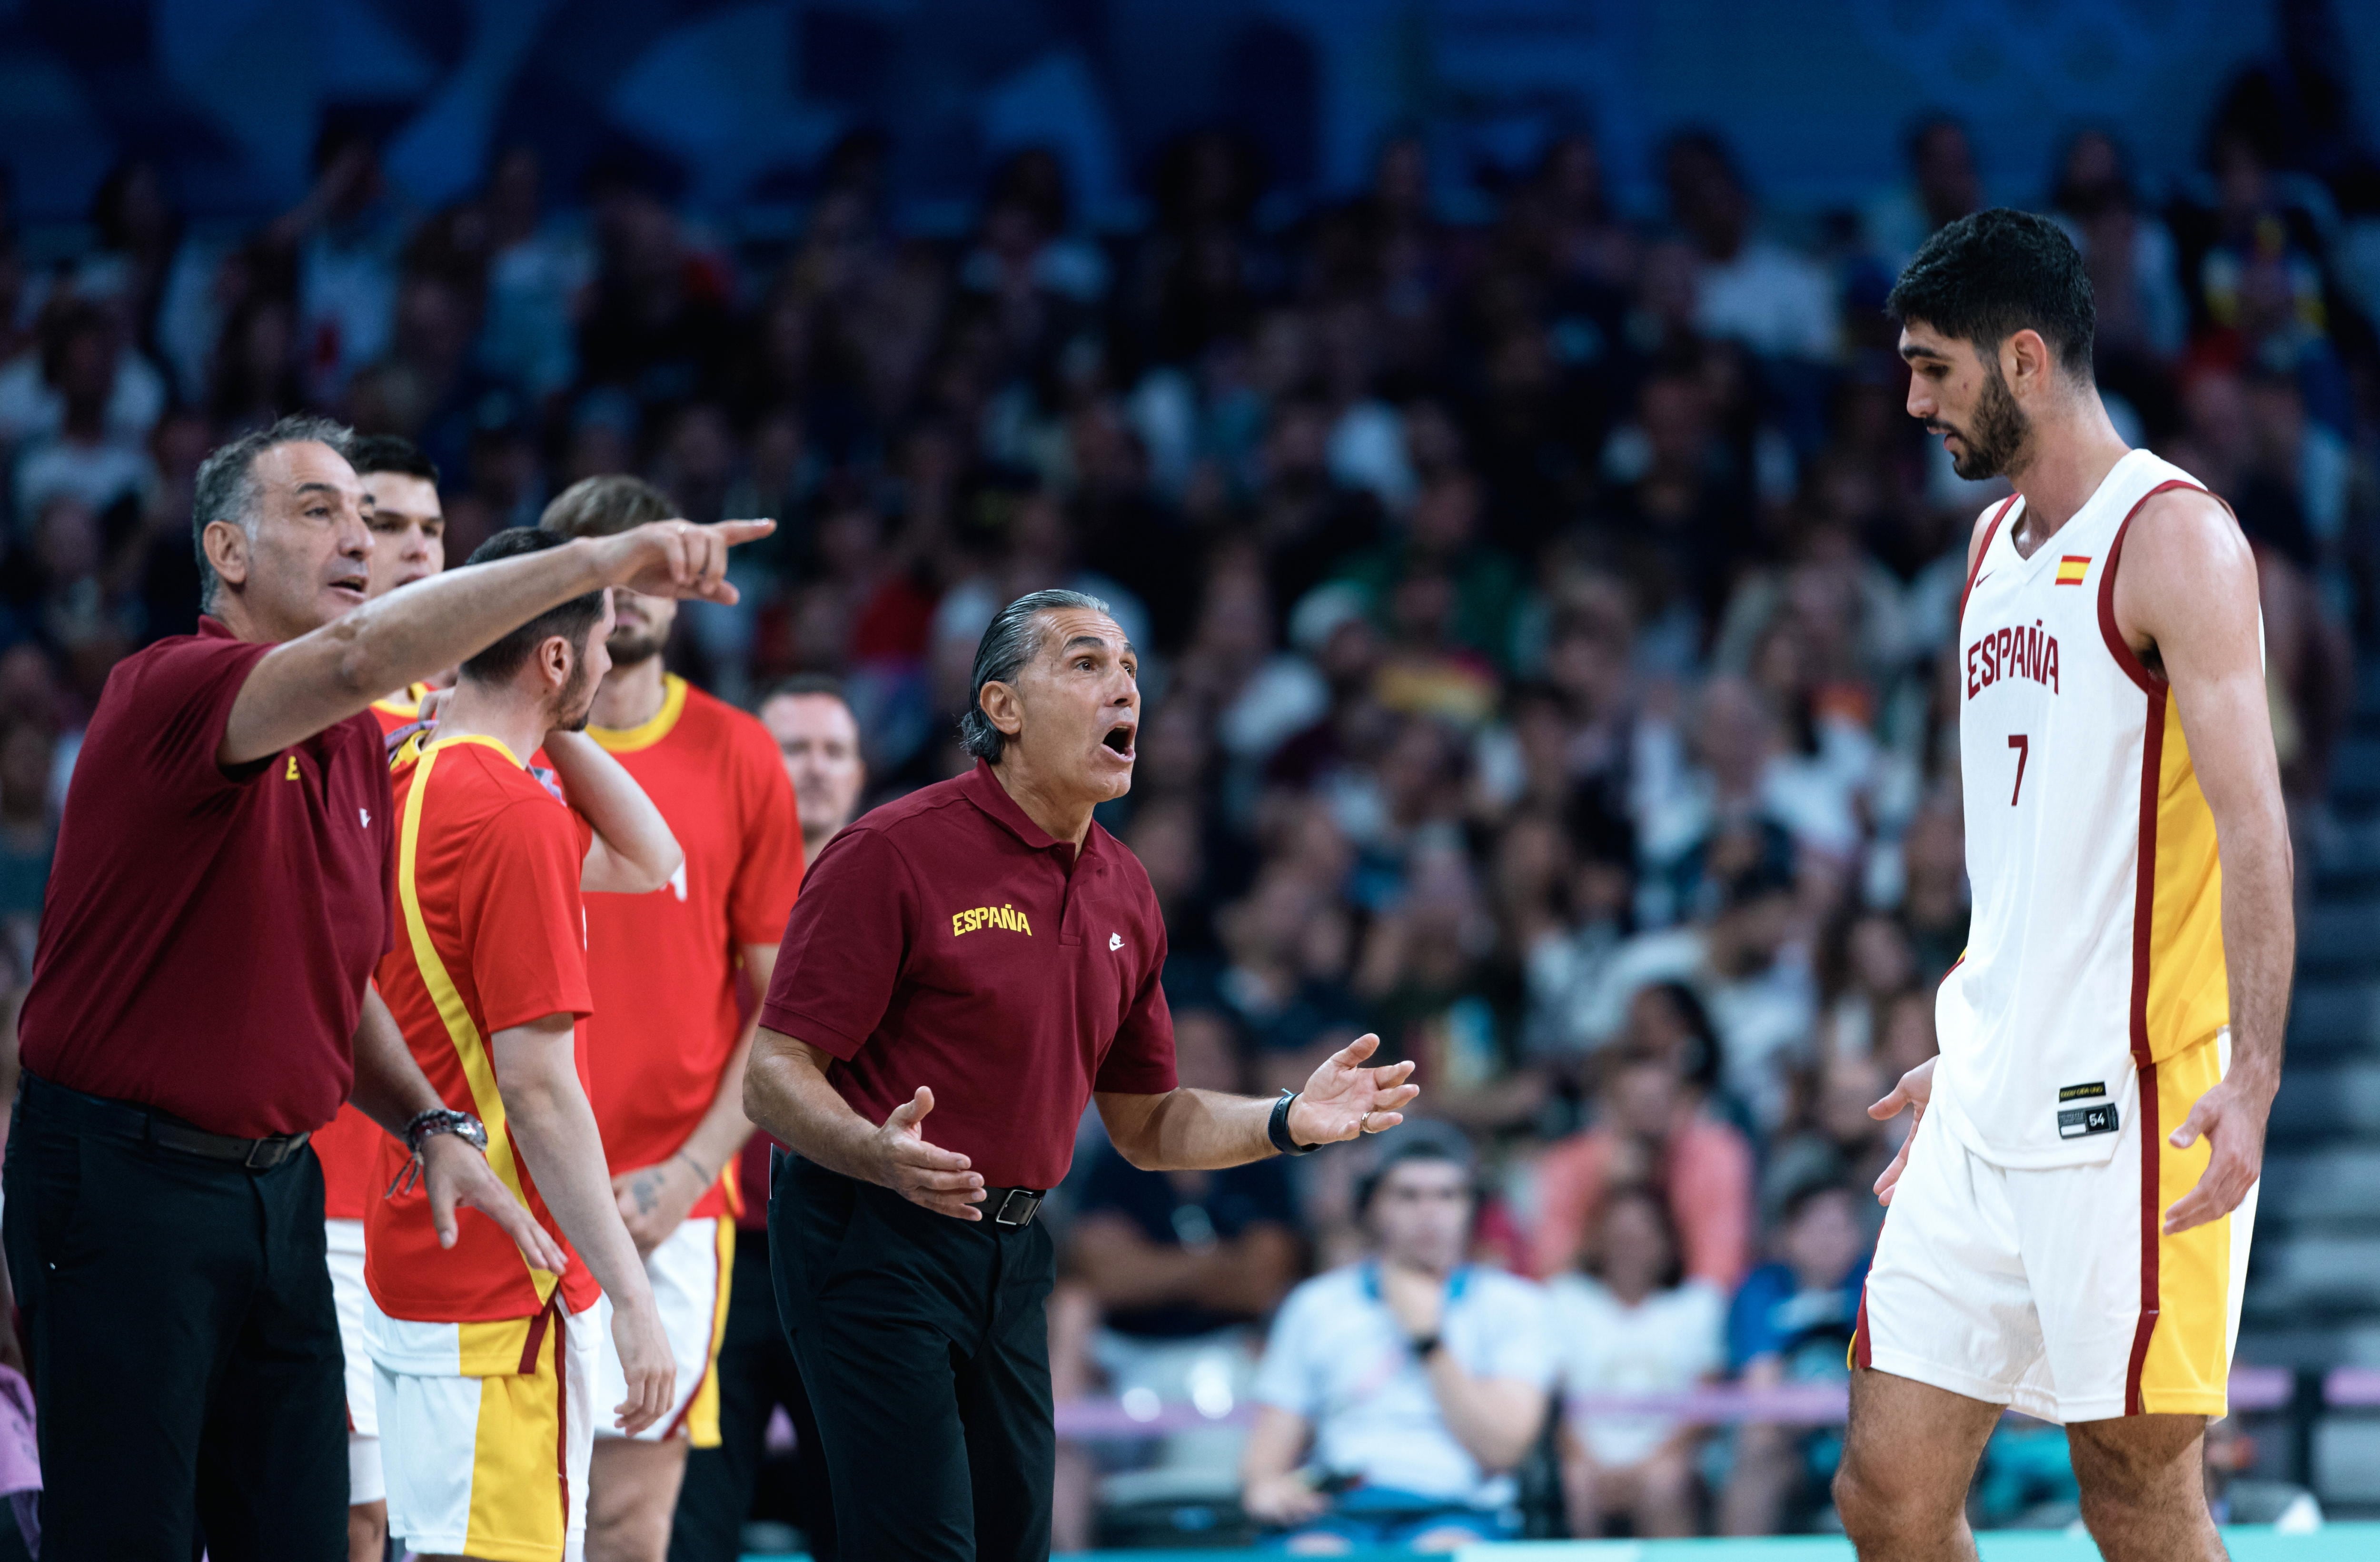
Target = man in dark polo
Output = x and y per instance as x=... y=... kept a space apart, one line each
x=200 y=1006
x=964 y=968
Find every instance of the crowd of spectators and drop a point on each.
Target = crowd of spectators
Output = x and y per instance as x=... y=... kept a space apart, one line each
x=1540 y=622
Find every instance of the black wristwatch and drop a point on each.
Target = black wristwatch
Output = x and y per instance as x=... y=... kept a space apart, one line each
x=446 y=1119
x=1278 y=1129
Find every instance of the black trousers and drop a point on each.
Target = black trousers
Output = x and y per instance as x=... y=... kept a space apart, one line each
x=924 y=1346
x=757 y=1373
x=185 y=1352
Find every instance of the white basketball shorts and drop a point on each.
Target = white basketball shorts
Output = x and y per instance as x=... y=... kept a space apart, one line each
x=2056 y=1291
x=489 y=1463
x=690 y=1273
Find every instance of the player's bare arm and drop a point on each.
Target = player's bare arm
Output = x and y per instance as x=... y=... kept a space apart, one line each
x=538 y=1077
x=2186 y=602
x=654 y=1199
x=786 y=1091
x=391 y=1089
x=1187 y=1129
x=306 y=685
x=633 y=852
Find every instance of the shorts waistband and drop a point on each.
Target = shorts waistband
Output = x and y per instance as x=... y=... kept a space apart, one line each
x=86 y=1113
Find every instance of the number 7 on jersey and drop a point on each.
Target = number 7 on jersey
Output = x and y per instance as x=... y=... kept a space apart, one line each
x=2024 y=747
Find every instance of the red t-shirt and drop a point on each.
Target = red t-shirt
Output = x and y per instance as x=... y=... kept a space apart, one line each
x=491 y=936
x=946 y=940
x=663 y=964
x=348 y=1146
x=208 y=936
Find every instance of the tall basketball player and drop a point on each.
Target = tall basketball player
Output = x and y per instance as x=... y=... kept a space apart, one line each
x=2069 y=1217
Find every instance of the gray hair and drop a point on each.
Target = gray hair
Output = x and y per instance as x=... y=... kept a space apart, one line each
x=227 y=488
x=1008 y=643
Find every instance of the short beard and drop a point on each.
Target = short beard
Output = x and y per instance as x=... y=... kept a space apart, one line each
x=1999 y=434
x=577 y=695
x=628 y=650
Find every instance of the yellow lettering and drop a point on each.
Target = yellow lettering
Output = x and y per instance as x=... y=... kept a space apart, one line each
x=975 y=918
x=293 y=767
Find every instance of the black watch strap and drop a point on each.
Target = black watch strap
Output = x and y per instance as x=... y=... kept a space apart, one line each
x=1278 y=1129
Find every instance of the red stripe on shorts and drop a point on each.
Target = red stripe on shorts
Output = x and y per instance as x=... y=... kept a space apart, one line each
x=2149 y=1223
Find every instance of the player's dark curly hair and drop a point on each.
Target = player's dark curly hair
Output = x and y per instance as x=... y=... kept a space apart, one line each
x=572 y=620
x=1991 y=274
x=391 y=452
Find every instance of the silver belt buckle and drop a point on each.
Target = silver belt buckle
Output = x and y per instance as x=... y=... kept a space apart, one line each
x=1009 y=1215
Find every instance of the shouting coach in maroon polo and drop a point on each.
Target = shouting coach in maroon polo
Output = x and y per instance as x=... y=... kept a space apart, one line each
x=200 y=1006
x=964 y=968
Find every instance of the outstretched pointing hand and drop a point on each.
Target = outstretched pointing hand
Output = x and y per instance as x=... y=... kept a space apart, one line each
x=922 y=1173
x=680 y=559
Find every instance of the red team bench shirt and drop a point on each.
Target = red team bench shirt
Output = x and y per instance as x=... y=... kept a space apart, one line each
x=663 y=964
x=208 y=936
x=349 y=1146
x=489 y=935
x=946 y=940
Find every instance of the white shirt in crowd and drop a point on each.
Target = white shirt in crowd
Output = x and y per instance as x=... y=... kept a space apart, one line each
x=1339 y=1359
x=1778 y=303
x=1672 y=1340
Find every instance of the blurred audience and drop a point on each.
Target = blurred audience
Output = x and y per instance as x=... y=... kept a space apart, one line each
x=1398 y=1394
x=1631 y=1321
x=1791 y=1322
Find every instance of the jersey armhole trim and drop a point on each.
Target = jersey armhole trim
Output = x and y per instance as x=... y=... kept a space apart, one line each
x=1991 y=532
x=2126 y=657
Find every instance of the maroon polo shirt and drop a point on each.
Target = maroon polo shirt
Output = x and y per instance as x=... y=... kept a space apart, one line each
x=946 y=940
x=207 y=937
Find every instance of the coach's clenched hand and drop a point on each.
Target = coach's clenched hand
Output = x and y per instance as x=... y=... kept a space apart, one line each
x=922 y=1173
x=2231 y=1119
x=454 y=1174
x=1916 y=1088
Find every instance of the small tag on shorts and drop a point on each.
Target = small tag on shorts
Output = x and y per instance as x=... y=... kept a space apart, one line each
x=2079 y=1122
x=2078 y=1092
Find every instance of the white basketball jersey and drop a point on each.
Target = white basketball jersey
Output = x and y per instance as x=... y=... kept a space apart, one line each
x=2096 y=943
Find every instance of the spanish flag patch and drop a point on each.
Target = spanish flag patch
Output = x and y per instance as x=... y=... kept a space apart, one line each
x=2072 y=567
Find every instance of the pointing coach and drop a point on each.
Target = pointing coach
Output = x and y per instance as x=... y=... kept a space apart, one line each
x=200 y=1005
x=964 y=968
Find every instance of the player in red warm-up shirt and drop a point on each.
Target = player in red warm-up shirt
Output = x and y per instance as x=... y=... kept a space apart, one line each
x=667 y=1043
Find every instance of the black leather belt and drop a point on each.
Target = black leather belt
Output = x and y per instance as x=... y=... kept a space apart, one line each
x=125 y=1119
x=1013 y=1206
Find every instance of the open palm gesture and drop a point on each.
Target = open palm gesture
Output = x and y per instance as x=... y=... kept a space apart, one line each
x=1344 y=1098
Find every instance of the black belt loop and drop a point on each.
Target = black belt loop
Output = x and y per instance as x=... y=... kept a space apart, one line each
x=145 y=1125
